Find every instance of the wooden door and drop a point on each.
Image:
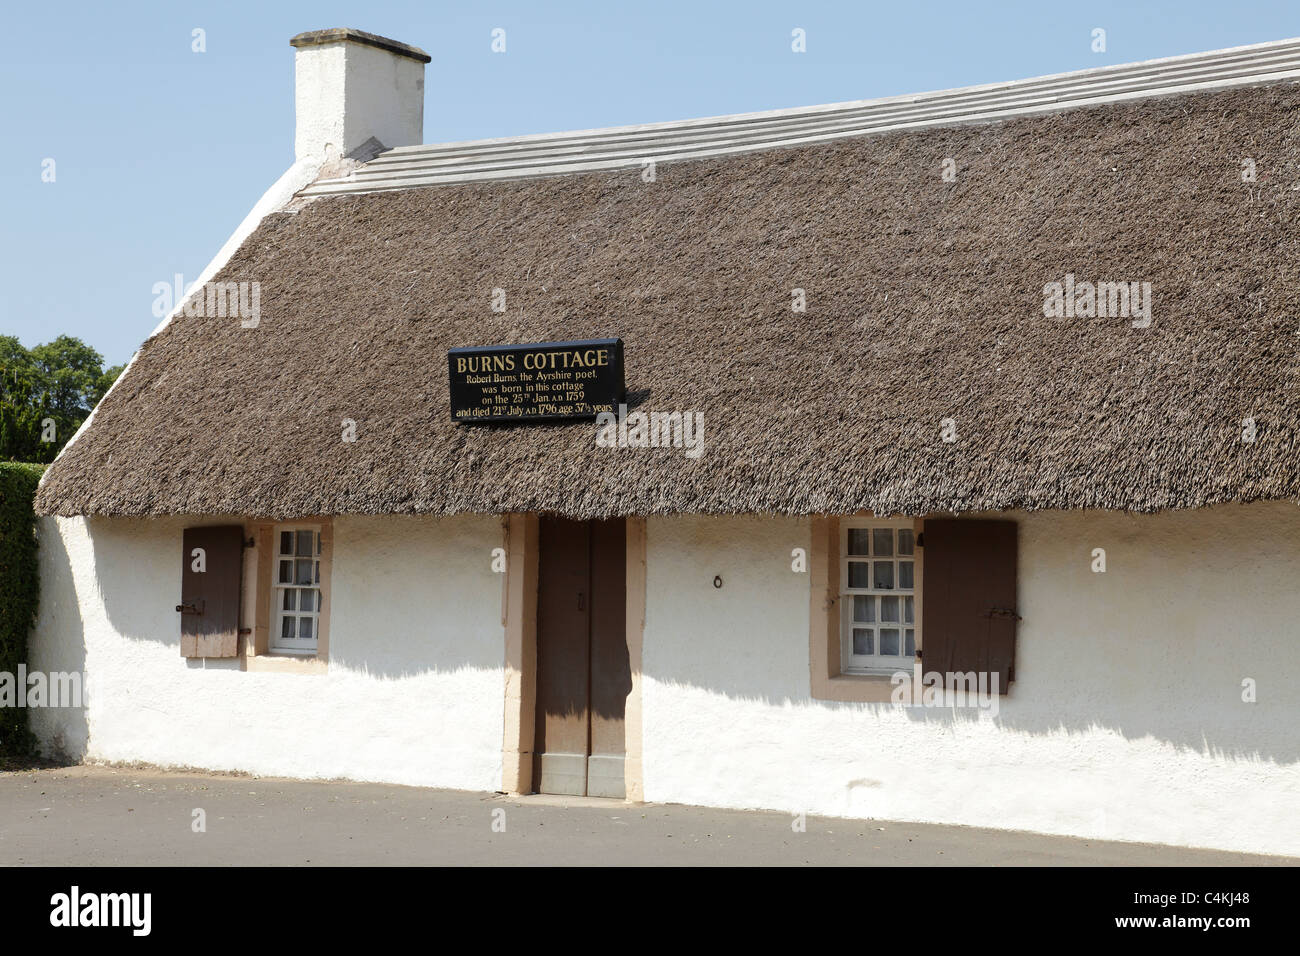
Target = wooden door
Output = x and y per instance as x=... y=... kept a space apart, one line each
x=583 y=673
x=611 y=672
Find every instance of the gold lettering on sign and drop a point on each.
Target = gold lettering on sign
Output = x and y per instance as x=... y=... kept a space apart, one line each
x=543 y=361
x=557 y=382
x=484 y=363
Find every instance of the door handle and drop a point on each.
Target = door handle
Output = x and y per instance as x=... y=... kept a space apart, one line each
x=582 y=600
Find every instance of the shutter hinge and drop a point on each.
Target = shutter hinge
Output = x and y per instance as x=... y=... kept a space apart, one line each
x=250 y=543
x=1003 y=612
x=189 y=607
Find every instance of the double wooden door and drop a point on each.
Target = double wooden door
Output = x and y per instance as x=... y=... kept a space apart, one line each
x=583 y=672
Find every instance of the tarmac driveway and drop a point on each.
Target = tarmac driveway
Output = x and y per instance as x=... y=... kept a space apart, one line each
x=117 y=816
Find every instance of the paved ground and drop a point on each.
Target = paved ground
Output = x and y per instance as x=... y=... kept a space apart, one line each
x=112 y=816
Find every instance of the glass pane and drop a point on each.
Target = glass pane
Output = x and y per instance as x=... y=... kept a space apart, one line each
x=889 y=609
x=286 y=628
x=864 y=608
x=304 y=628
x=286 y=542
x=302 y=571
x=909 y=642
x=862 y=641
x=858 y=574
x=288 y=599
x=304 y=542
x=285 y=572
x=905 y=541
x=318 y=540
x=317 y=581
x=307 y=600
x=883 y=574
x=889 y=642
x=857 y=541
x=908 y=610
x=905 y=575
x=883 y=541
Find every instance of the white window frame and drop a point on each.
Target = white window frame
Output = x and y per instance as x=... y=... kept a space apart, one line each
x=877 y=663
x=276 y=643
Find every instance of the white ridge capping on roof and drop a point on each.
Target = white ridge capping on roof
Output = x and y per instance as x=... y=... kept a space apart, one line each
x=552 y=154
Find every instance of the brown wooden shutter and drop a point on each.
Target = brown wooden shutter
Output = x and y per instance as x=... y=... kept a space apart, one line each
x=969 y=589
x=209 y=608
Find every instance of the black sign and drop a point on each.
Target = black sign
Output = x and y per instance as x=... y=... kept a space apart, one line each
x=528 y=383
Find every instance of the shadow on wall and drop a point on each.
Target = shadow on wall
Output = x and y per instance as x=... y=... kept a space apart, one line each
x=406 y=598
x=137 y=568
x=58 y=643
x=1246 y=732
x=1157 y=647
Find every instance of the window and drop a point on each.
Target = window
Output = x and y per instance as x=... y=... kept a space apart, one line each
x=287 y=597
x=296 y=590
x=877 y=596
x=874 y=588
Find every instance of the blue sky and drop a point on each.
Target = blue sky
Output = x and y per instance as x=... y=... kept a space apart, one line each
x=161 y=151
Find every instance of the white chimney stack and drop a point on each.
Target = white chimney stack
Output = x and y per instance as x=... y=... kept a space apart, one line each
x=351 y=86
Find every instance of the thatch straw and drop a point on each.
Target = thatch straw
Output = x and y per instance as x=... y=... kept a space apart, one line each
x=925 y=302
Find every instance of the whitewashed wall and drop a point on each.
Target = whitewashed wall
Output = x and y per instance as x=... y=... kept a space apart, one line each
x=1125 y=721
x=413 y=693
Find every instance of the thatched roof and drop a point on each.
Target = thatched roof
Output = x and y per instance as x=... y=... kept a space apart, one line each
x=925 y=302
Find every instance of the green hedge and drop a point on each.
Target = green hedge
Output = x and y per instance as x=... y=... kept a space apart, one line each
x=19 y=594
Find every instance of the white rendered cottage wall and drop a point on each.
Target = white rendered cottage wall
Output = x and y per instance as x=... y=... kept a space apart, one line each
x=413 y=693
x=1125 y=722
